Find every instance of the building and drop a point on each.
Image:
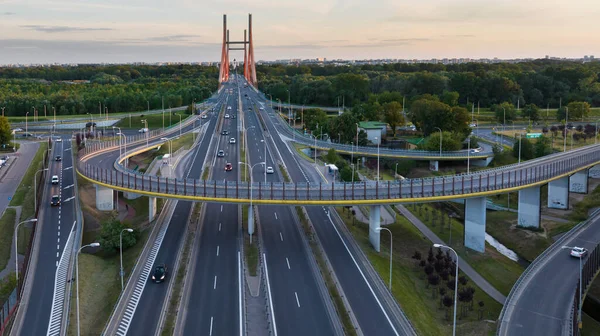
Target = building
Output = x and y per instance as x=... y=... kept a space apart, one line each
x=374 y=129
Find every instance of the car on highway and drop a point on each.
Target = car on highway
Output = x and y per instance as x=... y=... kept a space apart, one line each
x=55 y=201
x=229 y=107
x=224 y=132
x=55 y=179
x=227 y=116
x=160 y=273
x=58 y=140
x=18 y=130
x=578 y=252
x=143 y=130
x=228 y=167
x=26 y=134
x=232 y=140
x=270 y=170
x=475 y=150
x=261 y=108
x=233 y=116
x=58 y=158
x=221 y=153
x=204 y=116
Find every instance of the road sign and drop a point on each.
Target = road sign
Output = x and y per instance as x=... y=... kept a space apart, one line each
x=534 y=135
x=9 y=198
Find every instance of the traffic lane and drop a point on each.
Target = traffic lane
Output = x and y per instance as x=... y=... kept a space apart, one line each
x=545 y=303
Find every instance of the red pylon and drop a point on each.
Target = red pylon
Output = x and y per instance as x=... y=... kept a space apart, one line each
x=224 y=66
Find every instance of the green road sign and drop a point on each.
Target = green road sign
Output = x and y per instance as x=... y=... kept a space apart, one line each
x=534 y=135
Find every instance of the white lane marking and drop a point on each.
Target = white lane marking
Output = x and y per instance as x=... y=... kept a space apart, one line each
x=275 y=215
x=217 y=251
x=68 y=168
x=69 y=199
x=215 y=283
x=219 y=226
x=297 y=301
x=68 y=149
x=57 y=263
x=58 y=240
x=281 y=236
x=58 y=297
x=69 y=186
x=288 y=262
x=240 y=292
x=270 y=298
x=211 y=324
x=57 y=254
x=221 y=208
x=58 y=247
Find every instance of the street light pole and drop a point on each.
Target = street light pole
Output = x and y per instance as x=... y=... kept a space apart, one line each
x=378 y=141
x=580 y=285
x=179 y=125
x=16 y=250
x=26 y=114
x=391 y=251
x=455 y=283
x=520 y=136
x=468 y=153
x=250 y=186
x=265 y=143
x=566 y=129
x=35 y=188
x=121 y=253
x=77 y=278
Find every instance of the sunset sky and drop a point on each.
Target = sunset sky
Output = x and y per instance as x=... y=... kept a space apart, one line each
x=48 y=31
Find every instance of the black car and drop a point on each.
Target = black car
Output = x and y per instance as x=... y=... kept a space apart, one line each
x=58 y=158
x=55 y=200
x=160 y=273
x=233 y=116
x=225 y=133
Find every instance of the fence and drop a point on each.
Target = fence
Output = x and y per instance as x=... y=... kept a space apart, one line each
x=589 y=271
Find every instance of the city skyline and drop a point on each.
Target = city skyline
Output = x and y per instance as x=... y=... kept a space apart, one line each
x=146 y=31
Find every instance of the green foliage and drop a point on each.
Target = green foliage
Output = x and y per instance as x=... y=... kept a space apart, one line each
x=450 y=142
x=331 y=156
x=393 y=115
x=426 y=115
x=527 y=151
x=578 y=110
x=531 y=112
x=109 y=236
x=343 y=128
x=543 y=146
x=450 y=98
x=314 y=117
x=505 y=112
x=7 y=285
x=5 y=132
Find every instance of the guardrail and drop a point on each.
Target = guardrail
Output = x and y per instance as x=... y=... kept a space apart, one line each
x=588 y=273
x=518 y=287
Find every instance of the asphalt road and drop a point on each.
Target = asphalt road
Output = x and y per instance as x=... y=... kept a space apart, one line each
x=212 y=306
x=17 y=166
x=55 y=225
x=298 y=305
x=544 y=306
x=373 y=316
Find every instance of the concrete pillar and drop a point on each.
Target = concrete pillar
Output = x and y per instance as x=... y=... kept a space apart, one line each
x=475 y=223
x=374 y=224
x=434 y=165
x=250 y=221
x=529 y=207
x=104 y=199
x=131 y=196
x=558 y=194
x=151 y=208
x=578 y=182
x=481 y=162
x=594 y=172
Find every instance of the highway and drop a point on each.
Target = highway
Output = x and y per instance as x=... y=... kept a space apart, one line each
x=211 y=301
x=54 y=226
x=374 y=316
x=543 y=306
x=297 y=301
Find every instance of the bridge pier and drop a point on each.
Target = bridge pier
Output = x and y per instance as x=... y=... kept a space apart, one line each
x=475 y=223
x=104 y=199
x=594 y=172
x=529 y=212
x=481 y=162
x=151 y=208
x=374 y=225
x=578 y=182
x=558 y=194
x=434 y=165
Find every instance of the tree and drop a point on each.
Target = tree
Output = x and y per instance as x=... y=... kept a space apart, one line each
x=448 y=302
x=450 y=142
x=450 y=98
x=427 y=115
x=527 y=152
x=578 y=110
x=393 y=115
x=531 y=112
x=442 y=292
x=543 y=146
x=505 y=112
x=5 y=132
x=433 y=280
x=109 y=236
x=332 y=156
x=314 y=117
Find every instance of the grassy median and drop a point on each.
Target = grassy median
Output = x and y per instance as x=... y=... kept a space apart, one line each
x=24 y=195
x=7 y=230
x=154 y=120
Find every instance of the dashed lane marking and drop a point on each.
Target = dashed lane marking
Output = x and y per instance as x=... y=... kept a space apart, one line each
x=60 y=281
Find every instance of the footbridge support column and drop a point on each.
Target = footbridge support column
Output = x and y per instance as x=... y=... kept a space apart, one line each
x=475 y=223
x=558 y=194
x=104 y=199
x=594 y=172
x=374 y=225
x=529 y=212
x=151 y=208
x=578 y=182
x=434 y=165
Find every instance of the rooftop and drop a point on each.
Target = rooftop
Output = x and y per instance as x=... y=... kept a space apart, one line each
x=371 y=124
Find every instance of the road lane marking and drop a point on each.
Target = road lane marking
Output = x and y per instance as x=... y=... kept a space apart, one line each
x=57 y=254
x=68 y=168
x=219 y=226
x=69 y=199
x=270 y=297
x=58 y=240
x=215 y=284
x=211 y=323
x=58 y=247
x=221 y=208
x=297 y=301
x=288 y=262
x=275 y=215
x=281 y=236
x=69 y=186
x=217 y=251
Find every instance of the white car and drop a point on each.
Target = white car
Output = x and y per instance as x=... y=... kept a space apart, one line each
x=270 y=170
x=59 y=140
x=18 y=130
x=221 y=153
x=227 y=116
x=143 y=130
x=55 y=179
x=204 y=116
x=475 y=150
x=229 y=107
x=262 y=108
x=578 y=252
x=232 y=140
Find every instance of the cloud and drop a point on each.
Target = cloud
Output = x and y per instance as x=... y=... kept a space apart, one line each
x=62 y=29
x=8 y=13
x=293 y=46
x=172 y=38
x=405 y=40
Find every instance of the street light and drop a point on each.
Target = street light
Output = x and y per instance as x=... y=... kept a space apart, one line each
x=26 y=114
x=121 y=253
x=263 y=141
x=170 y=150
x=520 y=136
x=378 y=141
x=468 y=153
x=580 y=285
x=246 y=145
x=565 y=130
x=391 y=251
x=146 y=130
x=124 y=145
x=396 y=171
x=455 y=283
x=179 y=125
x=120 y=144
x=35 y=187
x=441 y=137
x=250 y=186
x=77 y=279
x=16 y=253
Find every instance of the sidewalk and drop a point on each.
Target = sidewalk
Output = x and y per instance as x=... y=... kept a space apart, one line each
x=10 y=267
x=466 y=268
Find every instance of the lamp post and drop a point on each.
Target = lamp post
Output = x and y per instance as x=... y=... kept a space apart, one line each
x=119 y=128
x=468 y=153
x=121 y=253
x=246 y=145
x=146 y=130
x=441 y=137
x=455 y=283
x=580 y=285
x=77 y=278
x=16 y=253
x=289 y=106
x=566 y=129
x=520 y=136
x=170 y=150
x=124 y=146
x=250 y=186
x=504 y=123
x=391 y=251
x=265 y=143
x=396 y=171
x=378 y=141
x=35 y=187
x=179 y=125
x=26 y=114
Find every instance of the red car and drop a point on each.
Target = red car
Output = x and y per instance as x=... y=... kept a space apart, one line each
x=228 y=167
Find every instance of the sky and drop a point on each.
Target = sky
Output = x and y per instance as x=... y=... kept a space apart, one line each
x=124 y=31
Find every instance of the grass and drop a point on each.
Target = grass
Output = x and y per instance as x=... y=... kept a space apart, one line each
x=154 y=120
x=558 y=140
x=590 y=326
x=299 y=149
x=99 y=293
x=582 y=208
x=7 y=230
x=371 y=174
x=497 y=269
x=250 y=250
x=286 y=177
x=7 y=285
x=409 y=285
x=325 y=272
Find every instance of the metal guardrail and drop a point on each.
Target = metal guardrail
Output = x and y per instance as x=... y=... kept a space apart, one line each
x=589 y=271
x=535 y=266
